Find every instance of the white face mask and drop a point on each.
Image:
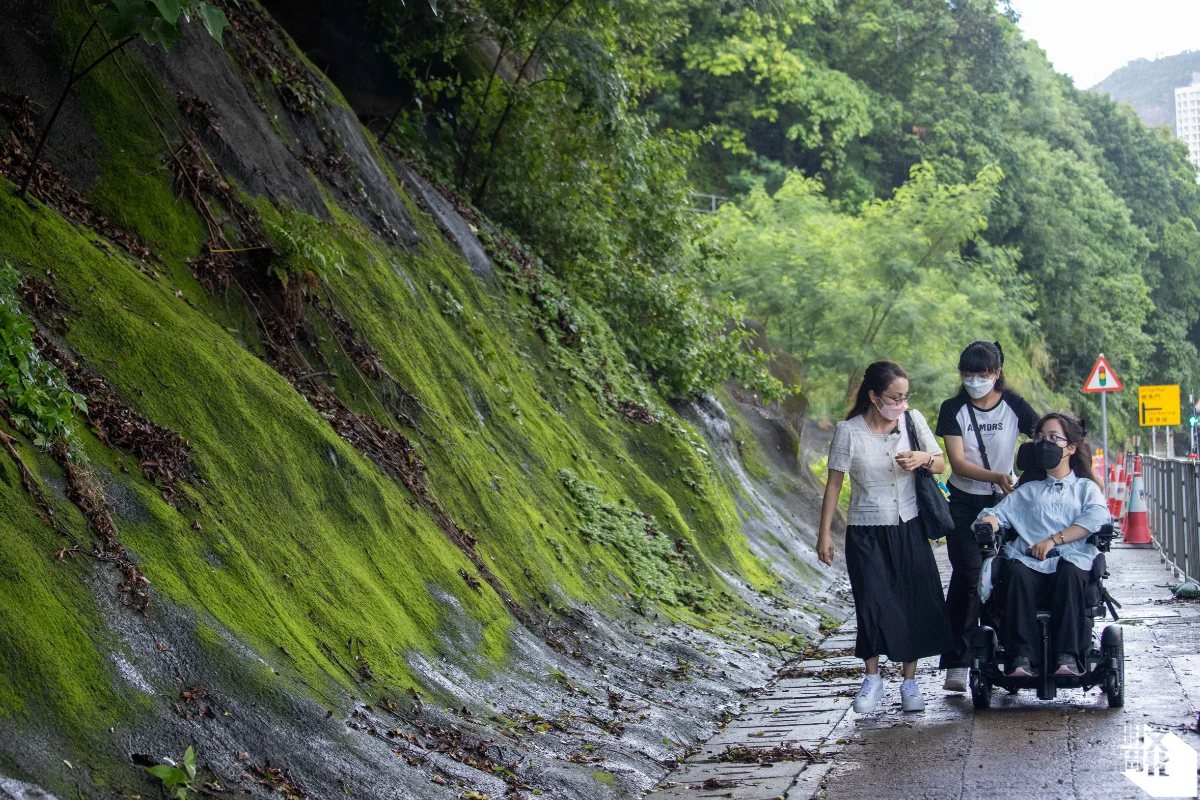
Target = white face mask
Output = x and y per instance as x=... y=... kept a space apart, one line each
x=978 y=387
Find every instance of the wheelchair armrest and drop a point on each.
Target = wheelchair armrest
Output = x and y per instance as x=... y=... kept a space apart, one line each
x=1103 y=538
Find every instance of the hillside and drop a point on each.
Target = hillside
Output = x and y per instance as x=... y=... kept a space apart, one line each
x=1149 y=86
x=361 y=505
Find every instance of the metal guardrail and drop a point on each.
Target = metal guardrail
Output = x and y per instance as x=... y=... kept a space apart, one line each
x=707 y=203
x=1172 y=488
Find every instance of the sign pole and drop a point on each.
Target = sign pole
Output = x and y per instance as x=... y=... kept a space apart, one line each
x=1102 y=380
x=1104 y=428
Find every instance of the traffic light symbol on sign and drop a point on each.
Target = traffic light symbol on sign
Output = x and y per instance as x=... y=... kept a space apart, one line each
x=1102 y=378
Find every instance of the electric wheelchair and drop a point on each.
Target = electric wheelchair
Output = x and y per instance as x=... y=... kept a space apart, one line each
x=1103 y=665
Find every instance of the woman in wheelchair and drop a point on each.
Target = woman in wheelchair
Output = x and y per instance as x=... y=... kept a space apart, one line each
x=1057 y=504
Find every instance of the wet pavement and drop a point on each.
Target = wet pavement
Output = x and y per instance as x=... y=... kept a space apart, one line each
x=1022 y=747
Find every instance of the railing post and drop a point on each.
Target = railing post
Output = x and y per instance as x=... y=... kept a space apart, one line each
x=1179 y=529
x=1153 y=497
x=1169 y=496
x=1187 y=472
x=1156 y=498
x=1191 y=564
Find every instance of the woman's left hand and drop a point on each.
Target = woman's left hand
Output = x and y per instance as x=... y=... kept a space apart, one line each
x=912 y=459
x=1042 y=548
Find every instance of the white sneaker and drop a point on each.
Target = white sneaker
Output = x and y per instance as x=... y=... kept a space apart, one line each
x=910 y=696
x=869 y=695
x=956 y=679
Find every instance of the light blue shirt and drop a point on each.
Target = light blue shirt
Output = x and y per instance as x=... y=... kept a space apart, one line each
x=1040 y=509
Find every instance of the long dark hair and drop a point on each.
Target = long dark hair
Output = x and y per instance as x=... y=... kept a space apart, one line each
x=1081 y=462
x=983 y=358
x=878 y=377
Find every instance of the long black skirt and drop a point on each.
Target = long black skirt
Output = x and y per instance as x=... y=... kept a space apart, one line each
x=897 y=592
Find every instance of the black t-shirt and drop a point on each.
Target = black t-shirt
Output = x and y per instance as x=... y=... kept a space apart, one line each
x=998 y=426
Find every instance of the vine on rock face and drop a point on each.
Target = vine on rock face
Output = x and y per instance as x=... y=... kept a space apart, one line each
x=552 y=140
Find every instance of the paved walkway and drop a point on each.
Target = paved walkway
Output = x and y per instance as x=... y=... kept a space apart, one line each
x=1068 y=748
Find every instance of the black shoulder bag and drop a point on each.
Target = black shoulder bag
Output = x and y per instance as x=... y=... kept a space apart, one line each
x=932 y=508
x=982 y=450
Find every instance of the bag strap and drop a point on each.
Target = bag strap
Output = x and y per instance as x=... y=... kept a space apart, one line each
x=913 y=441
x=978 y=435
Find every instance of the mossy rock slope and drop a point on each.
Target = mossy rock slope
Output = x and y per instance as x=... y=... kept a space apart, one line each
x=307 y=608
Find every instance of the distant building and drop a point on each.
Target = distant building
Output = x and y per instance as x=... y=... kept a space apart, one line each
x=1187 y=116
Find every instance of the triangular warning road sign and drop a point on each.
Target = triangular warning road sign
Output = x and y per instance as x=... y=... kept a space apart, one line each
x=1102 y=379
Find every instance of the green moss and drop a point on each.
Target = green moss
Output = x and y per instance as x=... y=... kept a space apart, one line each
x=650 y=554
x=604 y=778
x=820 y=468
x=345 y=536
x=749 y=453
x=124 y=103
x=51 y=635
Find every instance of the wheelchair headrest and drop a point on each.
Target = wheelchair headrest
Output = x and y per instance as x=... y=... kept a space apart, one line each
x=1025 y=457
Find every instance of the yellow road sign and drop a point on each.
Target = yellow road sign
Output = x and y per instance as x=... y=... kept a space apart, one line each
x=1158 y=405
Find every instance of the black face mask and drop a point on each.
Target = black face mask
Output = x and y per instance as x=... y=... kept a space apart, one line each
x=1043 y=454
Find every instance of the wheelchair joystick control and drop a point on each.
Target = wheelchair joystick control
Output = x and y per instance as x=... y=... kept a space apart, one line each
x=986 y=538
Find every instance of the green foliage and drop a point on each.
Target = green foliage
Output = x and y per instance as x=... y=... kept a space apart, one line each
x=300 y=248
x=156 y=21
x=40 y=403
x=1093 y=221
x=563 y=154
x=653 y=558
x=586 y=131
x=750 y=82
x=1151 y=173
x=820 y=468
x=841 y=290
x=178 y=781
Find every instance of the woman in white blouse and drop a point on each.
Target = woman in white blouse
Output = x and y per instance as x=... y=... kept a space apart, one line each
x=898 y=598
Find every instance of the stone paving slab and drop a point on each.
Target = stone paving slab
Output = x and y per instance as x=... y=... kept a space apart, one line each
x=798 y=711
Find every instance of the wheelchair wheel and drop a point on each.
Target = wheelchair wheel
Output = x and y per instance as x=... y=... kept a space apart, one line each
x=981 y=690
x=1112 y=648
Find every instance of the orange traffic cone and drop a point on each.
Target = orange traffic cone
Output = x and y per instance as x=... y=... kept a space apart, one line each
x=1127 y=492
x=1136 y=529
x=1113 y=510
x=1120 y=491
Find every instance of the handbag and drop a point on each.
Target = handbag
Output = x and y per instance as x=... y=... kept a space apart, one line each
x=997 y=495
x=932 y=508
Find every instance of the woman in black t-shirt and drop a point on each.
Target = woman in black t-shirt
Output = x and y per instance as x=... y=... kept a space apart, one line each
x=980 y=426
